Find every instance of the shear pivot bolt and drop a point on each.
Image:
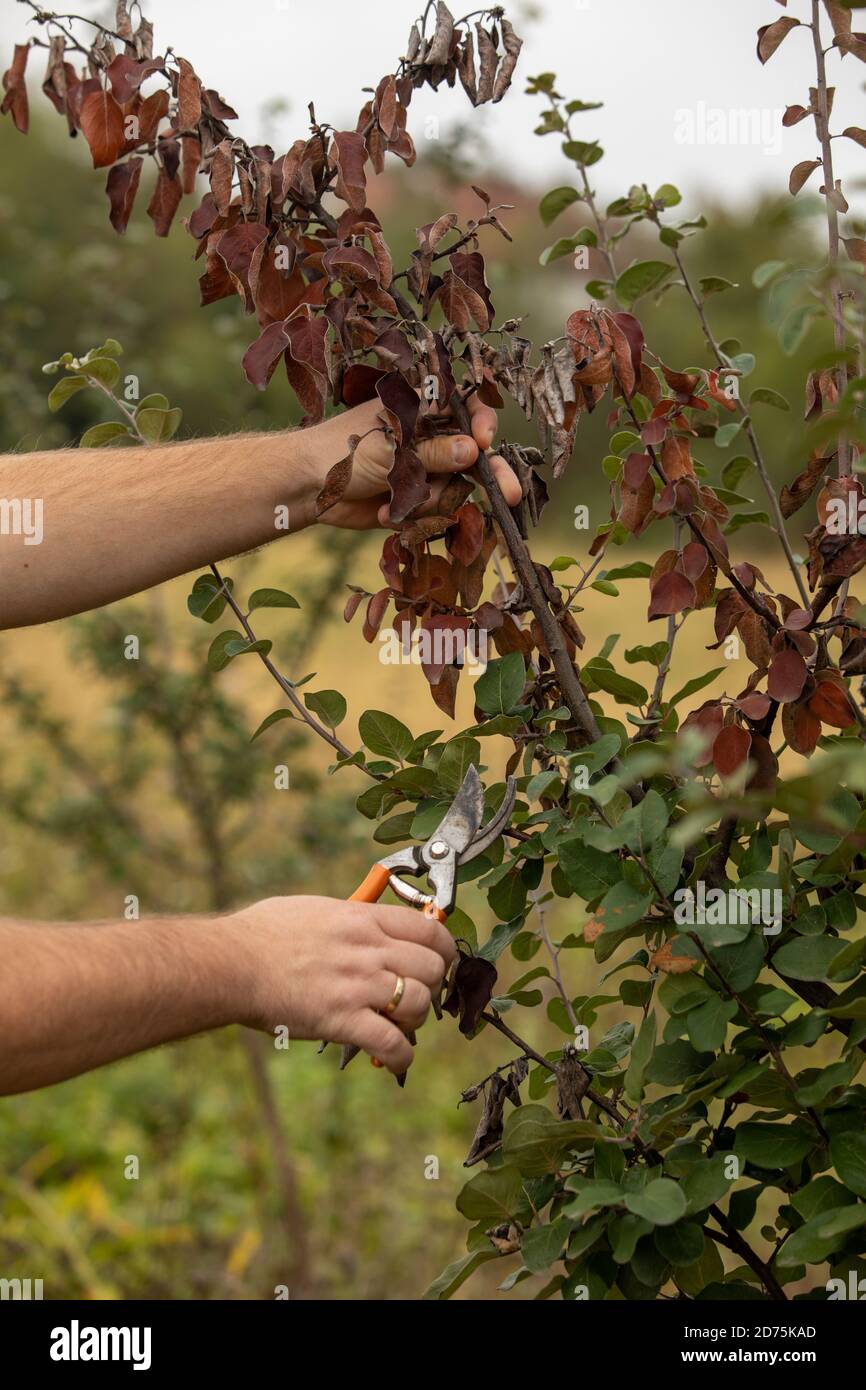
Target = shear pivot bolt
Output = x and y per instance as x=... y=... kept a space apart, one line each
x=438 y=849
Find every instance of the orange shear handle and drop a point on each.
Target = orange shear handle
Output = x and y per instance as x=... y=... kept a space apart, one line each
x=371 y=890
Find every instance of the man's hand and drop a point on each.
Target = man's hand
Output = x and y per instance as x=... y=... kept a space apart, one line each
x=78 y=995
x=325 y=968
x=365 y=502
x=117 y=521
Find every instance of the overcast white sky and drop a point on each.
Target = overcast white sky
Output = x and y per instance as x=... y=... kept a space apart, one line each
x=648 y=62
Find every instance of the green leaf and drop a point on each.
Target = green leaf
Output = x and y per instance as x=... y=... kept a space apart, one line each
x=493 y=1196
x=603 y=676
x=765 y=395
x=582 y=152
x=772 y=1145
x=589 y=872
x=273 y=718
x=695 y=684
x=242 y=646
x=715 y=284
x=555 y=202
x=705 y=1184
x=767 y=271
x=272 y=598
x=98 y=435
x=155 y=401
x=534 y=1139
x=623 y=905
x=653 y=655
x=507 y=899
x=661 y=1202
x=848 y=1152
x=818 y=1238
x=385 y=735
x=734 y=471
x=624 y=1232
x=708 y=1023
x=329 y=705
x=455 y=1274
x=806 y=957
x=668 y=194
x=741 y=519
x=597 y=755
x=725 y=433
x=675 y=1062
x=110 y=348
x=541 y=783
x=207 y=600
x=217 y=657
x=67 y=387
x=640 y=279
x=652 y=818
x=565 y=245
x=459 y=755
x=541 y=1245
x=641 y=1054
x=638 y=569
x=593 y=1193
x=102 y=369
x=501 y=685
x=795 y=327
x=157 y=426
x=681 y=1244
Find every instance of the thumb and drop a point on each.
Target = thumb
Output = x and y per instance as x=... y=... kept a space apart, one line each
x=448 y=453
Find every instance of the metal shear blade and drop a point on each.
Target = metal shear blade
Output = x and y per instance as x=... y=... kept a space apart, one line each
x=458 y=839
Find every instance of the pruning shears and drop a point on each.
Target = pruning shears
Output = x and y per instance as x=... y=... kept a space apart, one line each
x=458 y=839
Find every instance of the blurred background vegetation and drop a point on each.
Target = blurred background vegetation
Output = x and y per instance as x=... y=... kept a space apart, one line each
x=257 y=1167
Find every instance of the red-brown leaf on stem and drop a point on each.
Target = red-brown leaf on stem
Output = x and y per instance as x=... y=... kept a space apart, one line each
x=444 y=692
x=830 y=701
x=15 y=88
x=407 y=480
x=694 y=561
x=707 y=721
x=755 y=706
x=469 y=267
x=150 y=113
x=350 y=155
x=731 y=749
x=121 y=187
x=444 y=649
x=671 y=593
x=102 y=128
x=337 y=480
x=401 y=405
x=261 y=357
x=771 y=35
x=188 y=96
x=359 y=383
x=221 y=176
x=787 y=676
x=469 y=991
x=375 y=613
x=353 y=603
x=465 y=537
x=800 y=173
x=164 y=202
x=800 y=727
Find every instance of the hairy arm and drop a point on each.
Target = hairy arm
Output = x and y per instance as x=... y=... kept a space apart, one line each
x=76 y=996
x=116 y=521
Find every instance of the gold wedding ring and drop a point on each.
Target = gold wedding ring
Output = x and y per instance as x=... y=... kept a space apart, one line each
x=394 y=1001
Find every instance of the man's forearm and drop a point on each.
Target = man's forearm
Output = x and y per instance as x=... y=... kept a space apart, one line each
x=74 y=997
x=116 y=521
